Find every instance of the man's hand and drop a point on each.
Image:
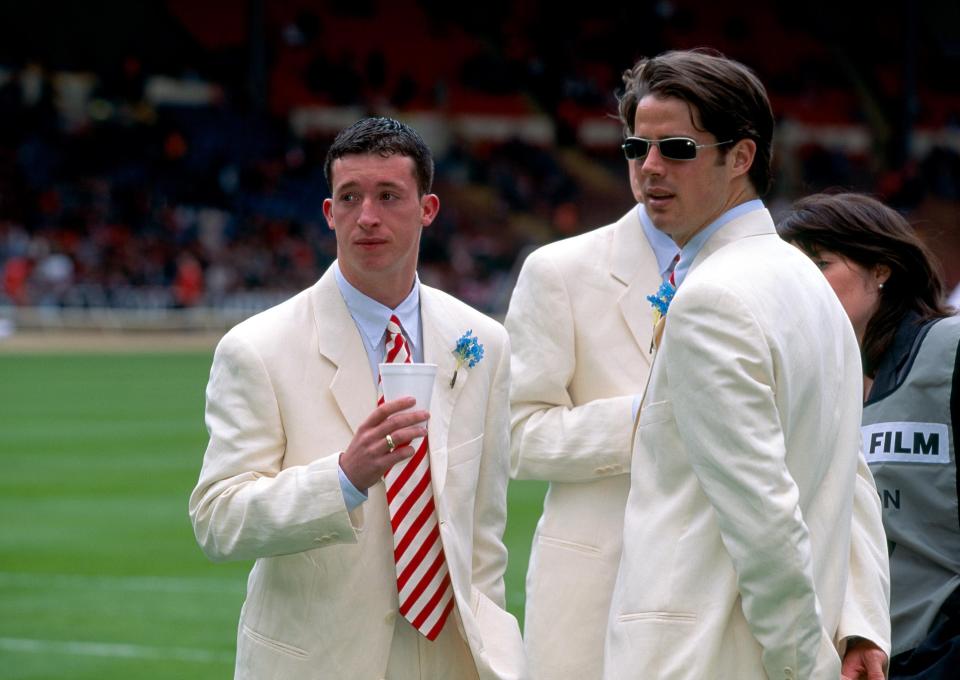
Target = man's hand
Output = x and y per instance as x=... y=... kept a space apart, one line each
x=863 y=661
x=368 y=456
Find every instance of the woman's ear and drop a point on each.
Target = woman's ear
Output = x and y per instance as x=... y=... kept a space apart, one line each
x=881 y=273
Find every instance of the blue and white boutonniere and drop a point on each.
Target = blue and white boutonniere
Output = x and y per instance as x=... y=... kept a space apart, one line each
x=661 y=300
x=661 y=303
x=468 y=351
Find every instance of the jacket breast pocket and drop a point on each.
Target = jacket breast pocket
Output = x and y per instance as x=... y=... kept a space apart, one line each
x=465 y=452
x=463 y=463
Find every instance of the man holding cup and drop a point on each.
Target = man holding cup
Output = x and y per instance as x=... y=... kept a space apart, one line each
x=376 y=529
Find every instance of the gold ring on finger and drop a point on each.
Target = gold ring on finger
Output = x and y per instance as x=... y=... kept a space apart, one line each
x=390 y=443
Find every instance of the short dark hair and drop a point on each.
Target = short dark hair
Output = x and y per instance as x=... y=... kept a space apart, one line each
x=384 y=136
x=729 y=97
x=866 y=231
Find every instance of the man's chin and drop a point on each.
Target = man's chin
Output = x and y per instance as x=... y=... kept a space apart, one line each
x=663 y=223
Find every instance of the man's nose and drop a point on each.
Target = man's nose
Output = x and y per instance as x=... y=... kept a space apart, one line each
x=369 y=215
x=652 y=163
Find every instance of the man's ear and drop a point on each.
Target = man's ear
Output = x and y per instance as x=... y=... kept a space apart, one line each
x=429 y=207
x=741 y=156
x=328 y=212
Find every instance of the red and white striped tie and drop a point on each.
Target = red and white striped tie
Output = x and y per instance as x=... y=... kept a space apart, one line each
x=673 y=269
x=423 y=581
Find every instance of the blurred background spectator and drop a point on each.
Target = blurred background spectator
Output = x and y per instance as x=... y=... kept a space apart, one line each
x=167 y=153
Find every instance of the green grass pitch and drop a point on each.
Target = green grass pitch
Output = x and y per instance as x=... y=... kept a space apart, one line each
x=100 y=576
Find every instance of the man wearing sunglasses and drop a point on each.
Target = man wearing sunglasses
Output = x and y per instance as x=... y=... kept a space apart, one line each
x=581 y=333
x=739 y=523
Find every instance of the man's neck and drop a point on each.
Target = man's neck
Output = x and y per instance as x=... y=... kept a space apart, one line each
x=388 y=293
x=738 y=197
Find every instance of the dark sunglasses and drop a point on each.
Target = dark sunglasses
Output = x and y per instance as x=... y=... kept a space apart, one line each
x=674 y=148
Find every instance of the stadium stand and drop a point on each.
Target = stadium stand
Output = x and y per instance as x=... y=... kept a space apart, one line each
x=183 y=170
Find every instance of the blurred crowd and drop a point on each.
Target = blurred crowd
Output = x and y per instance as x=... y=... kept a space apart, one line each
x=141 y=183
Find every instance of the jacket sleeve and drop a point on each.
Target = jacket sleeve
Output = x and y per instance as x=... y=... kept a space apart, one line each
x=721 y=375
x=866 y=604
x=553 y=438
x=245 y=504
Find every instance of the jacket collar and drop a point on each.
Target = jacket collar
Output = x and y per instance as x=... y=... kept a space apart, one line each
x=754 y=223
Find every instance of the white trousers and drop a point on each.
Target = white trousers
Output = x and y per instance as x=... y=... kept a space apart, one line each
x=414 y=657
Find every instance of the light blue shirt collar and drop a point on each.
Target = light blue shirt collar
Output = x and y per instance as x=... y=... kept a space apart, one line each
x=371 y=318
x=690 y=251
x=664 y=248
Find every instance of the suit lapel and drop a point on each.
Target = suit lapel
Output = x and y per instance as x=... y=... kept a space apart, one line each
x=633 y=263
x=338 y=340
x=440 y=334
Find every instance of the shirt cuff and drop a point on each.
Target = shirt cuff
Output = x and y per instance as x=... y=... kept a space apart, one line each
x=351 y=495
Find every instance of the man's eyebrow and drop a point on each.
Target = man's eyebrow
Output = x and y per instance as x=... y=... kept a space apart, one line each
x=386 y=184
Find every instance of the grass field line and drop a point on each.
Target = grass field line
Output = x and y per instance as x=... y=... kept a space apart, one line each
x=166 y=584
x=114 y=650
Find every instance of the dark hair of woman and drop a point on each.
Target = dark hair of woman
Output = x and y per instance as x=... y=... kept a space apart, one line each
x=866 y=231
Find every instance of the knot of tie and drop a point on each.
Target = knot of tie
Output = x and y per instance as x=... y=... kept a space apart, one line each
x=396 y=346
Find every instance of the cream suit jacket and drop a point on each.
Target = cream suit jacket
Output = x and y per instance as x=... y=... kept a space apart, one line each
x=737 y=529
x=288 y=389
x=580 y=329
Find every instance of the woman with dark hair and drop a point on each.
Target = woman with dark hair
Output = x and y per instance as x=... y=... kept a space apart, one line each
x=893 y=293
